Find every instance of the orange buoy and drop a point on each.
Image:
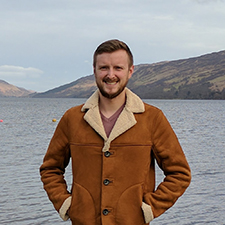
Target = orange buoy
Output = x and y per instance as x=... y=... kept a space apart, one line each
x=54 y=120
x=1 y=121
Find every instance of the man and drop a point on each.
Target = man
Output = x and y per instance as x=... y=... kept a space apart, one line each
x=114 y=140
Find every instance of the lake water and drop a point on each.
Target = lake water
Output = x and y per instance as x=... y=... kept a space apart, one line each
x=27 y=128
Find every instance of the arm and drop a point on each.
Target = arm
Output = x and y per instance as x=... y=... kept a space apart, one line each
x=172 y=161
x=53 y=168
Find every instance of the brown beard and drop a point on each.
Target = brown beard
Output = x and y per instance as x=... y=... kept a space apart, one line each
x=111 y=96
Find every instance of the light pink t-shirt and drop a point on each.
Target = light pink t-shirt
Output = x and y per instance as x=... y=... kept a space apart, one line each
x=109 y=123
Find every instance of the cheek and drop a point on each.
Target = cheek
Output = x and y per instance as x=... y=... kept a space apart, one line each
x=100 y=74
x=124 y=76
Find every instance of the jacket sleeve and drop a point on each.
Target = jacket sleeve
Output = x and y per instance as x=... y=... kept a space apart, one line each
x=53 y=168
x=172 y=161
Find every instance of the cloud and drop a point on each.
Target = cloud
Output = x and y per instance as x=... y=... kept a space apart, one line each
x=208 y=1
x=10 y=71
x=57 y=36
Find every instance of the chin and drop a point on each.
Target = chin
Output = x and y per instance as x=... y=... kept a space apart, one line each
x=111 y=95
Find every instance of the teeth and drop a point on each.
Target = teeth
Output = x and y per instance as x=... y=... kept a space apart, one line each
x=111 y=83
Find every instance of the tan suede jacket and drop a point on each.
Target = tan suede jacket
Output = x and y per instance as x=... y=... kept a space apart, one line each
x=114 y=178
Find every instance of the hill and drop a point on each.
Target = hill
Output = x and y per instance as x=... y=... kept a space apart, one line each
x=200 y=77
x=9 y=90
x=81 y=88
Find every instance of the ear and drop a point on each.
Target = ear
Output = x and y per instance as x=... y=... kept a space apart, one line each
x=131 y=71
x=94 y=69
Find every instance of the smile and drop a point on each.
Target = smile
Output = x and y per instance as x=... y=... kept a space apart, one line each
x=111 y=83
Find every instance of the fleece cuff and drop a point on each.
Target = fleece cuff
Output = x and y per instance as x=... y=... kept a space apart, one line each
x=148 y=214
x=64 y=208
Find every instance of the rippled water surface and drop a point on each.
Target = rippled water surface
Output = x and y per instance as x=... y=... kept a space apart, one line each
x=26 y=131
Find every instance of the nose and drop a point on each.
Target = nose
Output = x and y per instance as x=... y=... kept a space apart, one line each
x=110 y=73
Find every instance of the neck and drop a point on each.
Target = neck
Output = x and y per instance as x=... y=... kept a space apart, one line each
x=109 y=106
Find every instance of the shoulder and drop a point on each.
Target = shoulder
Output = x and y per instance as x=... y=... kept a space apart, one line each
x=152 y=109
x=151 y=114
x=76 y=110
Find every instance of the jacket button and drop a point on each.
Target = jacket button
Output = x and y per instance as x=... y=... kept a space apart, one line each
x=107 y=154
x=105 y=212
x=106 y=182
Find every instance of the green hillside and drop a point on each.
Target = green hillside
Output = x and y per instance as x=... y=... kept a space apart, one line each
x=200 y=77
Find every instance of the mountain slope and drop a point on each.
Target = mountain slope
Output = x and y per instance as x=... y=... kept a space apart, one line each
x=80 y=88
x=200 y=77
x=9 y=90
x=195 y=78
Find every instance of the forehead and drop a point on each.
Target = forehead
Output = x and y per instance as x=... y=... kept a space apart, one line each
x=116 y=57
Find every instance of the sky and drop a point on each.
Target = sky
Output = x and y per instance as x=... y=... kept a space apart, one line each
x=48 y=43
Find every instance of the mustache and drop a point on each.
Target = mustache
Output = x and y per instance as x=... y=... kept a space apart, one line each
x=110 y=80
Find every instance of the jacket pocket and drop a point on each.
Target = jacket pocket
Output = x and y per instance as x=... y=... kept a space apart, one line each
x=82 y=209
x=128 y=210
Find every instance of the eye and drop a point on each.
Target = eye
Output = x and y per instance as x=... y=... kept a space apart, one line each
x=103 y=67
x=118 y=68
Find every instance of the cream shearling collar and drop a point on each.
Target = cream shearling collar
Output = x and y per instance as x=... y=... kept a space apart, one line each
x=124 y=122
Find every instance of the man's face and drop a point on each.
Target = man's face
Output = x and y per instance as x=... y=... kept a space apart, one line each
x=112 y=72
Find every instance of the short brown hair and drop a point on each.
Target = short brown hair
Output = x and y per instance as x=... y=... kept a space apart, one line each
x=112 y=46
